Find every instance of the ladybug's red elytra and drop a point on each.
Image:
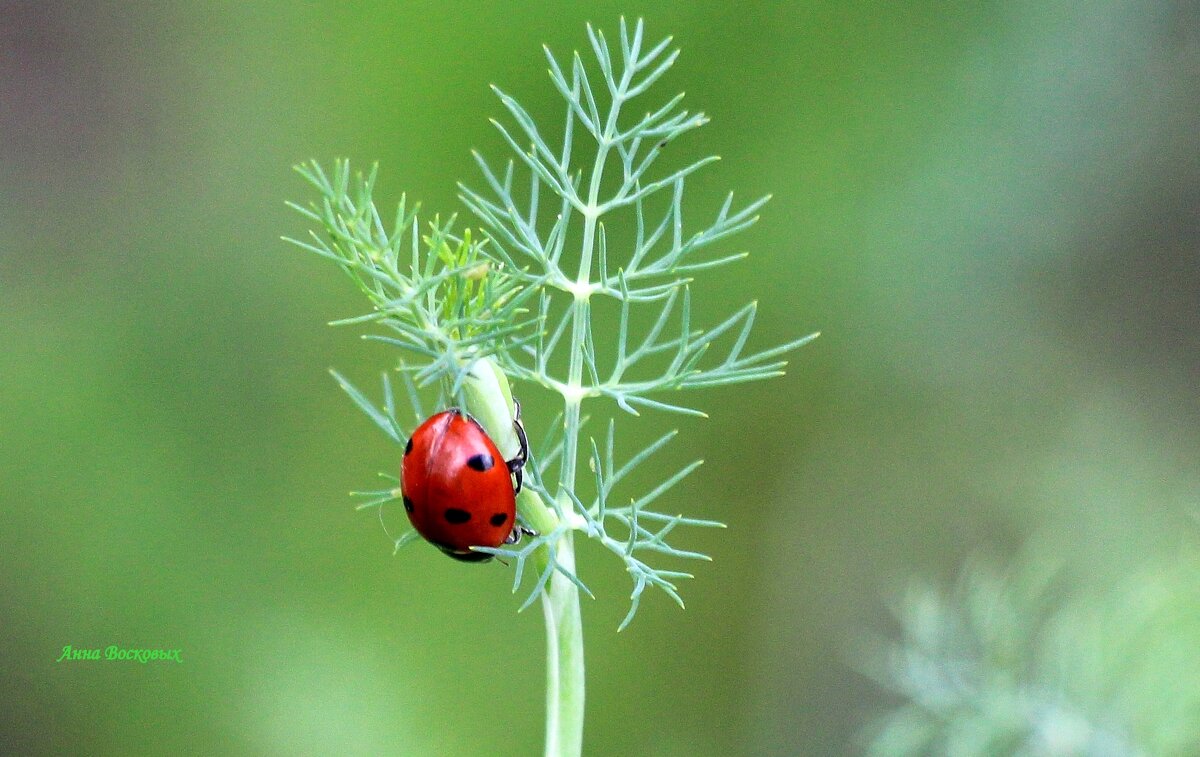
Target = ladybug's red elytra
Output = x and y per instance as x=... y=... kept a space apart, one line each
x=458 y=489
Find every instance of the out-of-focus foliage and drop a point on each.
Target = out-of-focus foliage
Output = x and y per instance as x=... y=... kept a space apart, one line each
x=1033 y=661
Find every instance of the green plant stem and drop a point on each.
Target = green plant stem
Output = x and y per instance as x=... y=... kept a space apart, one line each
x=564 y=659
x=489 y=399
x=564 y=628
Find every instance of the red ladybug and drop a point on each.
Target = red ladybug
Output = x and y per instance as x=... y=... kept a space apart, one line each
x=458 y=489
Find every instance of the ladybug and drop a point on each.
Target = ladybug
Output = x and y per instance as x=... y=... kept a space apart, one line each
x=457 y=488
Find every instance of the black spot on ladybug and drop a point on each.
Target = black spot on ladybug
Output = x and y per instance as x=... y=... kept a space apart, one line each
x=498 y=519
x=481 y=462
x=456 y=516
x=408 y=448
x=408 y=504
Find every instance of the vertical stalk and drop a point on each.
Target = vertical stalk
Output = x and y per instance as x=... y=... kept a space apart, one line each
x=565 y=674
x=489 y=399
x=564 y=659
x=560 y=601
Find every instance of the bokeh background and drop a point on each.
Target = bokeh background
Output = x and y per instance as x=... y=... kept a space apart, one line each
x=990 y=210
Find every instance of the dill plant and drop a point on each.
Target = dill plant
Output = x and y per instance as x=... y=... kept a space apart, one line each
x=521 y=303
x=1036 y=658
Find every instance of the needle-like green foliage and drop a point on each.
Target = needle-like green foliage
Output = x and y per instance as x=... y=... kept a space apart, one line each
x=1031 y=660
x=437 y=296
x=526 y=297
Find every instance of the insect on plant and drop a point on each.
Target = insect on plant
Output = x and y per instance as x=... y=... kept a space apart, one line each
x=455 y=493
x=580 y=285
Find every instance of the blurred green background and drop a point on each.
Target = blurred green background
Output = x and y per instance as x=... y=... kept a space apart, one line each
x=989 y=210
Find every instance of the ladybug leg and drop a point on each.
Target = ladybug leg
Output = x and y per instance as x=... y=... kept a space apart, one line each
x=518 y=532
x=517 y=464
